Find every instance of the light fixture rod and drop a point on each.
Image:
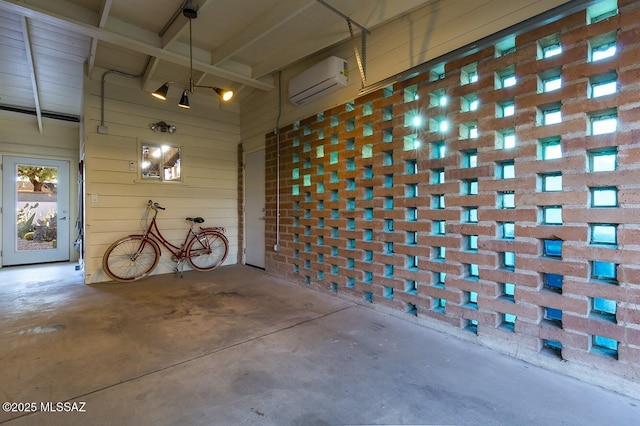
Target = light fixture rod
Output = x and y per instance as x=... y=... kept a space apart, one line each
x=337 y=12
x=191 y=87
x=204 y=87
x=190 y=12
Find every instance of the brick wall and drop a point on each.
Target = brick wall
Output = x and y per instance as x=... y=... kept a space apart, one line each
x=240 y=202
x=508 y=211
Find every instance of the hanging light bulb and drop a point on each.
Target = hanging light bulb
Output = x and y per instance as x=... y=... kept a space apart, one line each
x=184 y=101
x=226 y=95
x=162 y=91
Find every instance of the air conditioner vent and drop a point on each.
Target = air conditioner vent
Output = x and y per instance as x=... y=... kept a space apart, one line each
x=318 y=81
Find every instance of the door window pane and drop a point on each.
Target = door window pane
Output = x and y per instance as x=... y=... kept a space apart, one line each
x=36 y=207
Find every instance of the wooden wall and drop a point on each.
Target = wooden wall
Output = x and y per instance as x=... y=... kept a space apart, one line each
x=209 y=137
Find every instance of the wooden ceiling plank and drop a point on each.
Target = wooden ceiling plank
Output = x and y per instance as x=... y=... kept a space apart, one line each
x=277 y=17
x=127 y=42
x=104 y=12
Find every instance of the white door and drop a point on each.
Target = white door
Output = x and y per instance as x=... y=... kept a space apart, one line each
x=254 y=208
x=35 y=206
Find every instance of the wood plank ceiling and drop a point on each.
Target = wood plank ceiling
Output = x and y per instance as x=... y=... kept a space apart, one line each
x=237 y=44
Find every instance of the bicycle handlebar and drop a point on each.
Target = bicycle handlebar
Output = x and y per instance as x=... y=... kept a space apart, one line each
x=155 y=206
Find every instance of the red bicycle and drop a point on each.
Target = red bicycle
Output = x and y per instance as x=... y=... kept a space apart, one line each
x=135 y=256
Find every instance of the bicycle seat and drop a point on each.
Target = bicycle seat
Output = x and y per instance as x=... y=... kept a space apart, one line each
x=195 y=219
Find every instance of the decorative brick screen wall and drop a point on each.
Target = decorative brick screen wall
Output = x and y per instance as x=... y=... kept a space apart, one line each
x=498 y=194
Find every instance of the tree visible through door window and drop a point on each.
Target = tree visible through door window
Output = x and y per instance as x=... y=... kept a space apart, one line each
x=36 y=207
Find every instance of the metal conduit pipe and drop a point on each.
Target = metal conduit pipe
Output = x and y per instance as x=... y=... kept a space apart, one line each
x=172 y=19
x=277 y=130
x=102 y=128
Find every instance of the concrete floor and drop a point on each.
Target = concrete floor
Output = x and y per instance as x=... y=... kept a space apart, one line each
x=236 y=346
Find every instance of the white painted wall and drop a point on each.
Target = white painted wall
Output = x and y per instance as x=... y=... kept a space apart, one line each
x=209 y=138
x=429 y=32
x=19 y=135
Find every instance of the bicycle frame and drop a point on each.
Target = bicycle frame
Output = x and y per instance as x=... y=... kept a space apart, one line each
x=179 y=253
x=136 y=255
x=153 y=232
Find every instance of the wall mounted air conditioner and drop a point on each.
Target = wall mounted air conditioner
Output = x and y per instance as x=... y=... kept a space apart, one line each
x=318 y=81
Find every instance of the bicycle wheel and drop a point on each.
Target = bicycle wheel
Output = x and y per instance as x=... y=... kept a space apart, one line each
x=207 y=250
x=125 y=260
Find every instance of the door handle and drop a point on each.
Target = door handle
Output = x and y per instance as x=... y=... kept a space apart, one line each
x=63 y=218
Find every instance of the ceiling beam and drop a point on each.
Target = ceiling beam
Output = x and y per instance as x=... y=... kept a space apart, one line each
x=148 y=74
x=91 y=30
x=277 y=16
x=104 y=14
x=169 y=36
x=32 y=69
x=174 y=31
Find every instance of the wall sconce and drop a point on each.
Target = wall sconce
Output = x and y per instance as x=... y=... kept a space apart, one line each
x=163 y=127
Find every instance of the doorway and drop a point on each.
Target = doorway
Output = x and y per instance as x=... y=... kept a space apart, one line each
x=35 y=220
x=254 y=212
